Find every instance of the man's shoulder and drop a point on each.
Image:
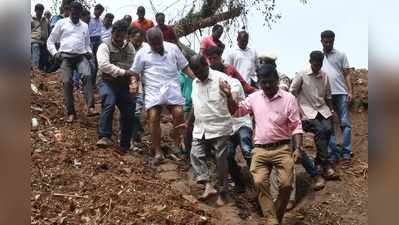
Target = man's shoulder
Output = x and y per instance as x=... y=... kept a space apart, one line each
x=338 y=54
x=287 y=95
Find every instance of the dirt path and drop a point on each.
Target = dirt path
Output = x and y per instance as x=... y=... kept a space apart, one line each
x=73 y=182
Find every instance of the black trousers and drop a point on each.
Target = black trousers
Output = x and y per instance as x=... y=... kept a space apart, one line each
x=322 y=129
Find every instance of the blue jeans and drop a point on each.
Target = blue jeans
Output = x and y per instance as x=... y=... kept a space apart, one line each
x=340 y=105
x=35 y=53
x=242 y=137
x=309 y=165
x=119 y=96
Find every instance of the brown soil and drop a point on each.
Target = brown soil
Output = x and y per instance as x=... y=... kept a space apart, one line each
x=74 y=182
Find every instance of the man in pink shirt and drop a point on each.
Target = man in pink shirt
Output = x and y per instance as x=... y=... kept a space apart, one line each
x=277 y=118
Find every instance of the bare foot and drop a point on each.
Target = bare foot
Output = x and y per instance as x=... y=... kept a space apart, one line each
x=158 y=159
x=221 y=201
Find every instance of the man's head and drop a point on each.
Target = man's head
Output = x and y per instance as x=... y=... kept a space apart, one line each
x=199 y=66
x=119 y=32
x=268 y=79
x=160 y=18
x=316 y=61
x=39 y=9
x=108 y=18
x=76 y=10
x=215 y=58
x=98 y=10
x=128 y=19
x=47 y=14
x=242 y=39
x=141 y=12
x=217 y=31
x=65 y=9
x=136 y=37
x=327 y=40
x=155 y=40
x=85 y=16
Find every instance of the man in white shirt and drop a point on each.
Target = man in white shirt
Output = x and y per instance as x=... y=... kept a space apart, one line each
x=244 y=58
x=213 y=125
x=159 y=63
x=242 y=128
x=107 y=26
x=74 y=52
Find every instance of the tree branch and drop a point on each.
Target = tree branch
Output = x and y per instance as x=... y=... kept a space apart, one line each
x=184 y=28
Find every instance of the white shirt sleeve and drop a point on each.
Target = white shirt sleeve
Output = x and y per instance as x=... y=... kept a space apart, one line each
x=87 y=39
x=345 y=63
x=229 y=58
x=55 y=36
x=181 y=60
x=104 y=64
x=138 y=64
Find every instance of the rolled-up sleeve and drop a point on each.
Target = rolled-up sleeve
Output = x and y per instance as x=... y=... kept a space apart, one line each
x=104 y=64
x=294 y=119
x=181 y=60
x=87 y=40
x=55 y=36
x=138 y=64
x=244 y=107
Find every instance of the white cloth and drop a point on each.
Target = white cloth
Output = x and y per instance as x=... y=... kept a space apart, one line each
x=160 y=76
x=244 y=61
x=212 y=116
x=95 y=26
x=334 y=65
x=73 y=38
x=239 y=96
x=106 y=33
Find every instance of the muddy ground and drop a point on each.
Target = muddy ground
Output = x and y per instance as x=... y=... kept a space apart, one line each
x=74 y=182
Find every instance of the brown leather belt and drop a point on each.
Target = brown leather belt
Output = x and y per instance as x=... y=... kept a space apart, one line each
x=273 y=145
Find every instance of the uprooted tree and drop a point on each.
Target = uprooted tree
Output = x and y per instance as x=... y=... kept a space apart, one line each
x=205 y=13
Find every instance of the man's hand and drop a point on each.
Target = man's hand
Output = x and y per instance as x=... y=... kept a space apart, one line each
x=296 y=155
x=225 y=89
x=88 y=55
x=130 y=73
x=349 y=97
x=134 y=85
x=58 y=57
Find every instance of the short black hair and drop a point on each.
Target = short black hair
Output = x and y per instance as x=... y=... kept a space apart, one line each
x=39 y=7
x=133 y=31
x=85 y=12
x=266 y=70
x=316 y=56
x=197 y=60
x=217 y=27
x=99 y=7
x=243 y=32
x=212 y=50
x=77 y=6
x=327 y=34
x=160 y=14
x=109 y=15
x=120 y=26
x=140 y=8
x=125 y=17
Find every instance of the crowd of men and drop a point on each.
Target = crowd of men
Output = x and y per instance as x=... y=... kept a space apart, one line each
x=218 y=99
